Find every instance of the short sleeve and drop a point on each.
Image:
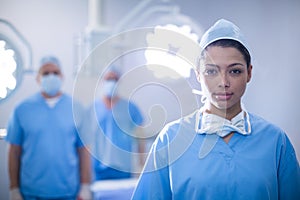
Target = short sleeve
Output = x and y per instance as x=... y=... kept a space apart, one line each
x=288 y=172
x=89 y=128
x=79 y=114
x=136 y=114
x=14 y=130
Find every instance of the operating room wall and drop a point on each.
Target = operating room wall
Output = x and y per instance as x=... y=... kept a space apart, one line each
x=271 y=27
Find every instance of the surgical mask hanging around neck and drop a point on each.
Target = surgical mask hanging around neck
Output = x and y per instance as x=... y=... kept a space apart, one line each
x=51 y=84
x=109 y=88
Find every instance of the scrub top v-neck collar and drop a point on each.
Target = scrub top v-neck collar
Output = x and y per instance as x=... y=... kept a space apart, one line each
x=234 y=145
x=221 y=146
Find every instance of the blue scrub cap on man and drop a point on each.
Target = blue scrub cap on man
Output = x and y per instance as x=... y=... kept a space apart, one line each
x=50 y=59
x=222 y=29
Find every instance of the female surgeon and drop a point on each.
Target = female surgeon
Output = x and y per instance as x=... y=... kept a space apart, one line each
x=221 y=151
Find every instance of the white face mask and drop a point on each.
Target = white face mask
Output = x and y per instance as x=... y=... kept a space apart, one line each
x=51 y=84
x=109 y=88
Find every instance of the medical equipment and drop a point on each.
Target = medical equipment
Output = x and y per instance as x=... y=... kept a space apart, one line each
x=15 y=59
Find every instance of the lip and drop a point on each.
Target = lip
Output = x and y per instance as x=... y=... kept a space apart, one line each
x=223 y=96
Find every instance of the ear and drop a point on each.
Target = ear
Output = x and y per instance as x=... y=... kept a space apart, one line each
x=62 y=77
x=197 y=72
x=38 y=78
x=249 y=73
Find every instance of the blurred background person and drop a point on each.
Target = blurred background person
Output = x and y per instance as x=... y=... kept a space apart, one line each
x=114 y=124
x=47 y=159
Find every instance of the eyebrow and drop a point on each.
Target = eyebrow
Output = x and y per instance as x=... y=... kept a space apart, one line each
x=51 y=72
x=231 y=65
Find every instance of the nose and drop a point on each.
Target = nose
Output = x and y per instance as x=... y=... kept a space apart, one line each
x=224 y=80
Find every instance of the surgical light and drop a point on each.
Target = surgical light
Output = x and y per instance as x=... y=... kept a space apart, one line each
x=170 y=58
x=8 y=66
x=15 y=59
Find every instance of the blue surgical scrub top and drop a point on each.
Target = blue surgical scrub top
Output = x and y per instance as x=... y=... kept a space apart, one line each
x=49 y=140
x=114 y=138
x=262 y=165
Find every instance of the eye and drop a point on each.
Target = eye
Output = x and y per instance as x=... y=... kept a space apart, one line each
x=235 y=71
x=210 y=71
x=45 y=73
x=54 y=72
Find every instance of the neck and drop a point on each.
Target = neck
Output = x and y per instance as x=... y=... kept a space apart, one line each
x=46 y=96
x=227 y=113
x=110 y=101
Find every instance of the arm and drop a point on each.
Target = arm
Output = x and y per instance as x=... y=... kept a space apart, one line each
x=15 y=138
x=138 y=120
x=85 y=174
x=141 y=147
x=84 y=164
x=289 y=172
x=81 y=118
x=14 y=156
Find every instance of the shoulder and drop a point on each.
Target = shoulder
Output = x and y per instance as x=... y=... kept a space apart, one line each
x=30 y=101
x=96 y=107
x=186 y=122
x=268 y=131
x=99 y=107
x=67 y=98
x=184 y=126
x=259 y=124
x=128 y=103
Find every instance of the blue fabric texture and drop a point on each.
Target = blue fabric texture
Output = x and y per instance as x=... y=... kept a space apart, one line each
x=262 y=165
x=49 y=140
x=113 y=138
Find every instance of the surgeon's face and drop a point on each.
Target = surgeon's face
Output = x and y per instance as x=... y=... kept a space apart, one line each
x=47 y=69
x=223 y=76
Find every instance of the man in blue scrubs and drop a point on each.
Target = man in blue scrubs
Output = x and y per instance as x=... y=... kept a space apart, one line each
x=46 y=157
x=115 y=123
x=221 y=151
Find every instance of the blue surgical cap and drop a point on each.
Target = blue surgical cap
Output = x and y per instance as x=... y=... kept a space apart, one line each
x=50 y=59
x=223 y=29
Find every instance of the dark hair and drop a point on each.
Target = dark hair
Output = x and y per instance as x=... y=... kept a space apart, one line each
x=229 y=43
